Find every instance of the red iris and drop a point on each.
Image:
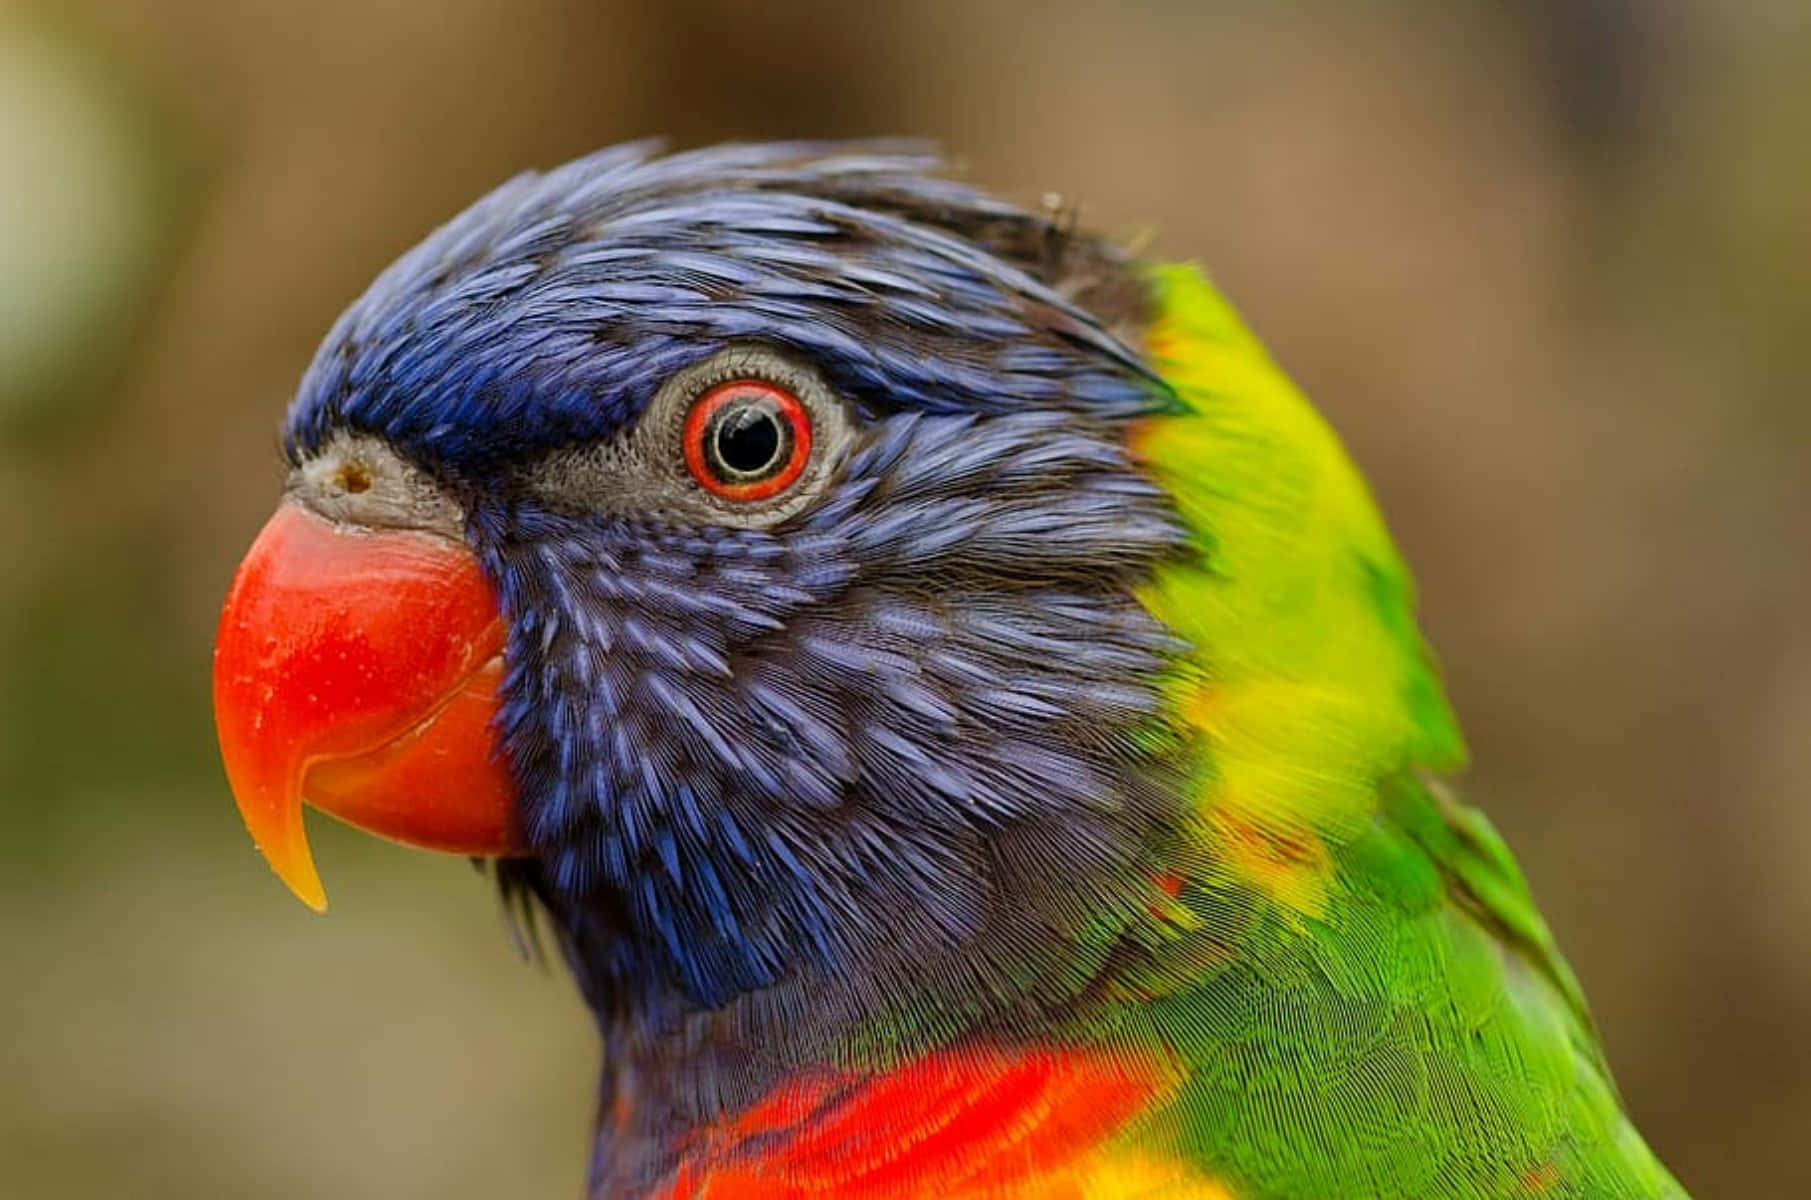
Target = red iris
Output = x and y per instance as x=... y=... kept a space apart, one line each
x=747 y=440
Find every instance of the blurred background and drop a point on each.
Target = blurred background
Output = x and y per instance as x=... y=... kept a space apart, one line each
x=1547 y=266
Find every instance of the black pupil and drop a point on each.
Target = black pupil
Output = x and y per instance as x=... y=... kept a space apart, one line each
x=748 y=438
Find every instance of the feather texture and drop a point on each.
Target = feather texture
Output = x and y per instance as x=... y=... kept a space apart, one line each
x=1046 y=810
x=1342 y=988
x=1377 y=983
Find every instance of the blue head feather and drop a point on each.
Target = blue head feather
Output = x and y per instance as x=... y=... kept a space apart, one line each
x=874 y=759
x=549 y=312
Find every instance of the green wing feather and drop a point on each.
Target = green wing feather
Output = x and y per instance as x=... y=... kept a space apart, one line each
x=1357 y=988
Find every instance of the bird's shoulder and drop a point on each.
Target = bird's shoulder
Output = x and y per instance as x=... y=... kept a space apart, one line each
x=1349 y=957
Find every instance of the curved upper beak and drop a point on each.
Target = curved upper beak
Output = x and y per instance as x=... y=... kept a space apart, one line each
x=358 y=670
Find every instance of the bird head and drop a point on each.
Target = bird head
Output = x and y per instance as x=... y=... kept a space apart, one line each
x=743 y=543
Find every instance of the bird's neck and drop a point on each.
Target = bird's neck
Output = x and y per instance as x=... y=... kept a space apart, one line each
x=688 y=1088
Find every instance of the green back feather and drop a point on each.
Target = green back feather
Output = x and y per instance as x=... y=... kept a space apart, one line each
x=1354 y=981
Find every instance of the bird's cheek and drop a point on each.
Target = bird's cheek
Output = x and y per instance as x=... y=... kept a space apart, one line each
x=358 y=670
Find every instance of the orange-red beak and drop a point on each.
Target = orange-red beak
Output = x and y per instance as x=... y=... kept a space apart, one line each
x=357 y=670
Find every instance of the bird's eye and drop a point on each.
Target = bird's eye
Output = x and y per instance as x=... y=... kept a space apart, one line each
x=747 y=440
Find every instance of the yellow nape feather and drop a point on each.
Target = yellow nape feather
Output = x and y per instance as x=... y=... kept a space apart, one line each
x=1309 y=681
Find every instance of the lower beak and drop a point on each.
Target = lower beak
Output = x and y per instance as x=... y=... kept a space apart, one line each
x=358 y=670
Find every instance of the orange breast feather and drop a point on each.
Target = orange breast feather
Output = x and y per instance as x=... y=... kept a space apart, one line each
x=976 y=1125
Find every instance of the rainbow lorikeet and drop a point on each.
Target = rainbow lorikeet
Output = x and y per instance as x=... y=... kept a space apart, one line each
x=955 y=701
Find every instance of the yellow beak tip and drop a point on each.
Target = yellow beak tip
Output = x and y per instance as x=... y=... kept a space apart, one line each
x=299 y=876
x=309 y=891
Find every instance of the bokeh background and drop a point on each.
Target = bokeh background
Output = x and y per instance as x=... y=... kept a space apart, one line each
x=1546 y=265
